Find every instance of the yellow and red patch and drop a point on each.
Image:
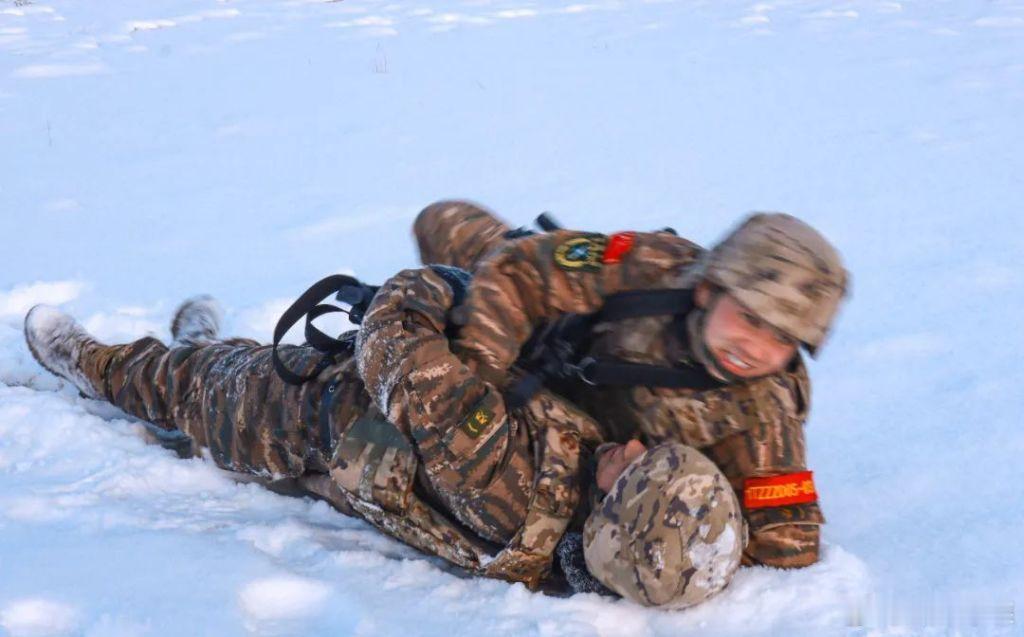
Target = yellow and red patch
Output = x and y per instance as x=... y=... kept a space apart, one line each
x=591 y=252
x=776 y=491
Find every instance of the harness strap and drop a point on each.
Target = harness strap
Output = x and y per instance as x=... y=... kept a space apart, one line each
x=554 y=353
x=641 y=303
x=357 y=295
x=316 y=338
x=309 y=305
x=620 y=374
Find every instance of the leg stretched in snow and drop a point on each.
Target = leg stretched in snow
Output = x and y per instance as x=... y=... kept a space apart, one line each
x=224 y=395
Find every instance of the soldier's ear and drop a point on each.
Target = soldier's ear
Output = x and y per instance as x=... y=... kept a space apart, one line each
x=702 y=294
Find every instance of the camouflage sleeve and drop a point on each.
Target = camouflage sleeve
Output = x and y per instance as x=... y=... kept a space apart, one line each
x=772 y=444
x=477 y=459
x=715 y=415
x=536 y=278
x=792 y=541
x=457 y=233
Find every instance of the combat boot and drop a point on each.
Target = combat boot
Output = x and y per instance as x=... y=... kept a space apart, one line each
x=62 y=346
x=196 y=322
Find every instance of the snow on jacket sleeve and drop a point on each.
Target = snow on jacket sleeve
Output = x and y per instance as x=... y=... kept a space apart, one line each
x=477 y=460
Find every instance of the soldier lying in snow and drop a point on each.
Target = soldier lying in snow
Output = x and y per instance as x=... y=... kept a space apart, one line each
x=402 y=434
x=675 y=343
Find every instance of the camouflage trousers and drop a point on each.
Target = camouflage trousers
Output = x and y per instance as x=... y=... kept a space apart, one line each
x=227 y=398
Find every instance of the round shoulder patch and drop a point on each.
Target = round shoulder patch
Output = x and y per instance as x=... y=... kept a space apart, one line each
x=581 y=253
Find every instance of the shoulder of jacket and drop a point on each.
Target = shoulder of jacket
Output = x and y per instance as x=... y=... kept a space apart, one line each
x=667 y=241
x=785 y=396
x=654 y=252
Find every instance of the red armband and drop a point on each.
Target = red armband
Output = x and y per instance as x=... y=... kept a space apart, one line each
x=775 y=491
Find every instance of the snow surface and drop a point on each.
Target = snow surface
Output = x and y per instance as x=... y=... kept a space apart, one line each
x=245 y=148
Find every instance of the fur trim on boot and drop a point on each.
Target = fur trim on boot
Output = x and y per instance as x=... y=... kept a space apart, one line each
x=196 y=322
x=57 y=342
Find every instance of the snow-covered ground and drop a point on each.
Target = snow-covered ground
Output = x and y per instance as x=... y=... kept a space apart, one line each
x=245 y=148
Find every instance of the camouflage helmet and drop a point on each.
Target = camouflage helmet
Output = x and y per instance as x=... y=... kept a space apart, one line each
x=670 y=533
x=782 y=270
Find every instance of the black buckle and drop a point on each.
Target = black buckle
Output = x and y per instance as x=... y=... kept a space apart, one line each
x=583 y=370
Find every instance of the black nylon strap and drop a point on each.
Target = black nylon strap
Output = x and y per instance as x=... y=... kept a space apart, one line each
x=553 y=350
x=358 y=296
x=316 y=338
x=613 y=373
x=547 y=223
x=620 y=374
x=640 y=303
x=309 y=304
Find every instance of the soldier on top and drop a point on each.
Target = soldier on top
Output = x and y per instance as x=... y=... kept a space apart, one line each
x=661 y=340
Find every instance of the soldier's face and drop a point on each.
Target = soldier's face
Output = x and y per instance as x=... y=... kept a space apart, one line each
x=741 y=343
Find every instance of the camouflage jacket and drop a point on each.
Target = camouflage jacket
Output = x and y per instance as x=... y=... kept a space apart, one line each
x=437 y=461
x=752 y=429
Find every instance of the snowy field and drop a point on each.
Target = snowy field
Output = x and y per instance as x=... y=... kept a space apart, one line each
x=153 y=150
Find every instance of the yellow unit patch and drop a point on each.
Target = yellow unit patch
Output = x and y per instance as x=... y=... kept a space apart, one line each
x=581 y=253
x=478 y=421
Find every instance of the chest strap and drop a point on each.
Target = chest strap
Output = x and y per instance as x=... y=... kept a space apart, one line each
x=616 y=373
x=357 y=295
x=556 y=353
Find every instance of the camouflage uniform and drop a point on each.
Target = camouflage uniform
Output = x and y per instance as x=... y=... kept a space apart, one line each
x=749 y=429
x=400 y=433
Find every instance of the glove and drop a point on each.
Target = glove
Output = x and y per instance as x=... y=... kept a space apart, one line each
x=574 y=566
x=456 y=278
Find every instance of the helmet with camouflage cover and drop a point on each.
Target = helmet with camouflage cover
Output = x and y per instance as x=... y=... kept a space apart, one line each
x=782 y=270
x=670 y=532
